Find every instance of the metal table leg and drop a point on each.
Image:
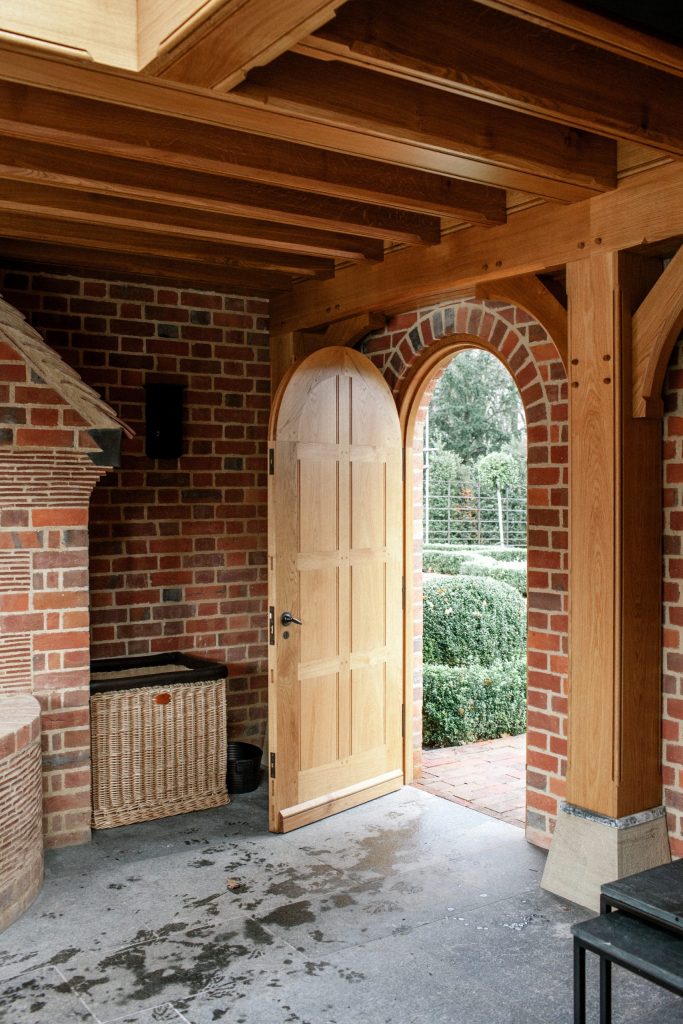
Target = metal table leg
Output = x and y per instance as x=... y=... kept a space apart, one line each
x=605 y=990
x=579 y=982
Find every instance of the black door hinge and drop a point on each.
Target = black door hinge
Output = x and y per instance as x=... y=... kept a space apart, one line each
x=272 y=766
x=271 y=461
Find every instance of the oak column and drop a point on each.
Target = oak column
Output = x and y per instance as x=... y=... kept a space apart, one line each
x=615 y=592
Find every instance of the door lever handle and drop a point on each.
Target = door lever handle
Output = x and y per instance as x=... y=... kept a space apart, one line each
x=287 y=619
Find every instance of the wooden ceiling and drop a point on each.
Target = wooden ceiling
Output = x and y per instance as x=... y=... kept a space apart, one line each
x=248 y=145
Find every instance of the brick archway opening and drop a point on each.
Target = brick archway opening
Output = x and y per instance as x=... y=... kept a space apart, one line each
x=413 y=364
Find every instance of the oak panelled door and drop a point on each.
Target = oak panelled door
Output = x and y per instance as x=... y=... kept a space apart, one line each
x=335 y=563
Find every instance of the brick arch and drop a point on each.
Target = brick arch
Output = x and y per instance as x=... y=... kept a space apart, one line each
x=412 y=352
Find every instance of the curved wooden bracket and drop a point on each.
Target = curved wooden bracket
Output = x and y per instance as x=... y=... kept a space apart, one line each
x=656 y=326
x=291 y=346
x=348 y=332
x=529 y=293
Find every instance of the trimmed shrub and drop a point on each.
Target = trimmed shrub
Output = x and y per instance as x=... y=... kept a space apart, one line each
x=506 y=554
x=511 y=573
x=470 y=562
x=498 y=553
x=448 y=562
x=472 y=619
x=462 y=705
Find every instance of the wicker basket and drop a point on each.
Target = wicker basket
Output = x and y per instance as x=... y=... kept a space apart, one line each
x=159 y=748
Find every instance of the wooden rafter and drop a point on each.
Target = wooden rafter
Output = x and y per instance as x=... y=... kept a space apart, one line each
x=139 y=266
x=501 y=147
x=490 y=56
x=40 y=227
x=71 y=168
x=148 y=217
x=590 y=27
x=119 y=122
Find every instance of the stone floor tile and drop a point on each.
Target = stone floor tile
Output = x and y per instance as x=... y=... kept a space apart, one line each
x=42 y=997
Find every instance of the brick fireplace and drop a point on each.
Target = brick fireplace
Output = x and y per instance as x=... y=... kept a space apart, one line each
x=50 y=460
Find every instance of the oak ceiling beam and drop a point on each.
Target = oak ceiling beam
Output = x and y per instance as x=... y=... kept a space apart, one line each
x=596 y=30
x=494 y=57
x=501 y=147
x=139 y=267
x=216 y=51
x=150 y=217
x=70 y=168
x=645 y=208
x=115 y=129
x=49 y=228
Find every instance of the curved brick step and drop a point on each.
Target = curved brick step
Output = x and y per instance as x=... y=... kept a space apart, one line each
x=21 y=833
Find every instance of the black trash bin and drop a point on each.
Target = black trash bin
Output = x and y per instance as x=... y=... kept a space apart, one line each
x=244 y=767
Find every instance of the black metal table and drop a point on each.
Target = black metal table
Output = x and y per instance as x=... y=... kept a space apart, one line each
x=655 y=896
x=640 y=928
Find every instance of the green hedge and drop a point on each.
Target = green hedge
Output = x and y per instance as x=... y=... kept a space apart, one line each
x=448 y=562
x=474 y=562
x=506 y=554
x=500 y=554
x=513 y=575
x=472 y=619
x=462 y=705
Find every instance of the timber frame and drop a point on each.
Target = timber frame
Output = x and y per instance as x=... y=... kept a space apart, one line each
x=351 y=160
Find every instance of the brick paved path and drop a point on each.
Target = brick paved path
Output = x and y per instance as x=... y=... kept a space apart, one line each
x=488 y=776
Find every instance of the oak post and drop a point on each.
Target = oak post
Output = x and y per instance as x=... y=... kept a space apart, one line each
x=283 y=352
x=614 y=548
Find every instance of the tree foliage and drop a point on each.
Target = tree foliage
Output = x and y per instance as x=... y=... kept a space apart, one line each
x=476 y=408
x=497 y=470
x=446 y=467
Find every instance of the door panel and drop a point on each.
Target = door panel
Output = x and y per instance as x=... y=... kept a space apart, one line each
x=335 y=507
x=369 y=699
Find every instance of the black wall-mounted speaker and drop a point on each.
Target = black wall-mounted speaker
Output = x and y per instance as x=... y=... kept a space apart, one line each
x=164 y=420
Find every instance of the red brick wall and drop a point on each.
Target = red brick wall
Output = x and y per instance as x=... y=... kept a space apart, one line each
x=46 y=479
x=177 y=547
x=535 y=366
x=672 y=646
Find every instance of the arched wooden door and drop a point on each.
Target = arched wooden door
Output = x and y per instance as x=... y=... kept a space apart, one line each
x=335 y=562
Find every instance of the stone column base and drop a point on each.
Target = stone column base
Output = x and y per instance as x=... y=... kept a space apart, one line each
x=589 y=849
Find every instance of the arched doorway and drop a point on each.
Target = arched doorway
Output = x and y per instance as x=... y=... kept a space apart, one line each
x=532 y=359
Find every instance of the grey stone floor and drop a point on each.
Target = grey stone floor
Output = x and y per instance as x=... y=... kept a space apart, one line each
x=408 y=909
